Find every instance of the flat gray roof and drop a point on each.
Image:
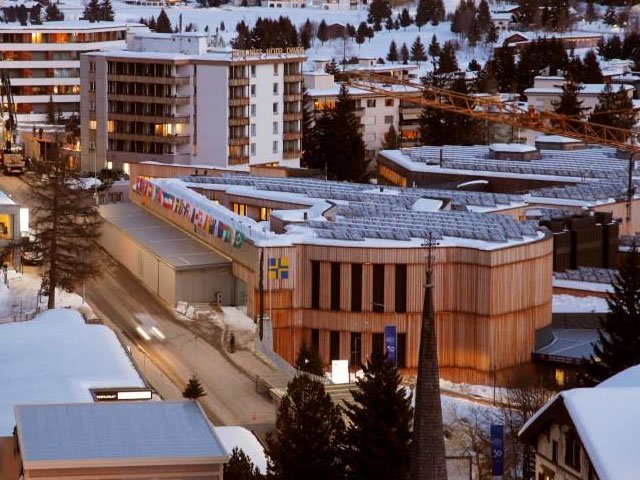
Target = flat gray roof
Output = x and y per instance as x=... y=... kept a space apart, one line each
x=571 y=344
x=164 y=240
x=116 y=431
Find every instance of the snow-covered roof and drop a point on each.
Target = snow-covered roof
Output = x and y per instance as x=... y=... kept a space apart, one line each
x=607 y=420
x=556 y=139
x=57 y=358
x=118 y=432
x=360 y=216
x=572 y=304
x=512 y=147
x=585 y=89
x=246 y=441
x=68 y=26
x=6 y=199
x=626 y=378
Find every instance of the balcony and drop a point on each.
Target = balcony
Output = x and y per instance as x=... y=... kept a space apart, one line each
x=238 y=160
x=234 y=142
x=292 y=97
x=290 y=117
x=239 y=102
x=291 y=154
x=176 y=139
x=239 y=82
x=292 y=135
x=238 y=121
x=136 y=117
x=168 y=100
x=179 y=80
x=294 y=77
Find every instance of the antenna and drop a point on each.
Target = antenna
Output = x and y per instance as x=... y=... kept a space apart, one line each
x=430 y=243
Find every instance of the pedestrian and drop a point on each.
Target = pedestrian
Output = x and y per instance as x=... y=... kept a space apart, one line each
x=232 y=343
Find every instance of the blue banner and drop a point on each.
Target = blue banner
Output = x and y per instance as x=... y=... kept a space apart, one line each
x=390 y=342
x=497 y=450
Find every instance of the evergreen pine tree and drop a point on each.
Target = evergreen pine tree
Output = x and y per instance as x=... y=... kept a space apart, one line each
x=417 y=51
x=618 y=345
x=405 y=18
x=194 y=389
x=422 y=14
x=308 y=133
x=309 y=433
x=392 y=56
x=362 y=33
x=309 y=361
x=483 y=17
x=106 y=11
x=378 y=11
x=240 y=467
x=614 y=109
x=590 y=14
x=66 y=224
x=332 y=68
x=92 y=11
x=378 y=436
x=610 y=16
x=53 y=13
x=322 y=33
x=389 y=24
x=51 y=111
x=434 y=47
x=591 y=72
x=447 y=61
x=392 y=140
x=306 y=34
x=492 y=34
x=222 y=27
x=404 y=53
x=474 y=66
x=568 y=103
x=163 y=24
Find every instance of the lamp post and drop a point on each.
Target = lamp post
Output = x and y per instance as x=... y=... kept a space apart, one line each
x=92 y=149
x=631 y=189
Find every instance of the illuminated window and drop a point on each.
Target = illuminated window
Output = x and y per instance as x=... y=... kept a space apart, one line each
x=559 y=374
x=265 y=213
x=110 y=126
x=93 y=124
x=36 y=37
x=240 y=209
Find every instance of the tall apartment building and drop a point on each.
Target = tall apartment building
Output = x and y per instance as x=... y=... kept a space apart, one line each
x=172 y=98
x=43 y=62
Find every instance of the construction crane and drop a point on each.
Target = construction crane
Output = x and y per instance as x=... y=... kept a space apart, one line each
x=492 y=110
x=12 y=153
x=496 y=111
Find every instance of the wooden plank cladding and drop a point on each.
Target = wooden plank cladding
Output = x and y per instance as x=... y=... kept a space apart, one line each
x=488 y=302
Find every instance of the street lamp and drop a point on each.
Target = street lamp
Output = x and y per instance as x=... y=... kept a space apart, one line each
x=92 y=149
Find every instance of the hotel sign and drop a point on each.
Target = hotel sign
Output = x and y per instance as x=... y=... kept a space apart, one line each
x=120 y=394
x=258 y=52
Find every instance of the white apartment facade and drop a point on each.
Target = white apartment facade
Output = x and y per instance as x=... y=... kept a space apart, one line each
x=43 y=62
x=170 y=98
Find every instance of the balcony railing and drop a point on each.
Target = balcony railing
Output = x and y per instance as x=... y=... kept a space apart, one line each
x=165 y=100
x=294 y=77
x=239 y=102
x=238 y=82
x=175 y=139
x=238 y=121
x=291 y=135
x=234 y=142
x=238 y=159
x=138 y=117
x=179 y=80
x=291 y=154
x=292 y=97
x=288 y=117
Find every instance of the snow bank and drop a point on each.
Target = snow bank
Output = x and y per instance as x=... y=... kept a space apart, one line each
x=571 y=304
x=246 y=441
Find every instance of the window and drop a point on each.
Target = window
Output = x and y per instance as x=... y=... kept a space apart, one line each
x=388 y=119
x=401 y=353
x=92 y=86
x=554 y=451
x=253 y=90
x=335 y=286
x=388 y=102
x=92 y=105
x=253 y=110
x=572 y=451
x=377 y=343
x=334 y=345
x=315 y=339
x=378 y=288
x=401 y=288
x=265 y=213
x=92 y=66
x=275 y=88
x=253 y=70
x=371 y=103
x=275 y=127
x=275 y=108
x=275 y=69
x=315 y=284
x=275 y=146
x=240 y=209
x=356 y=287
x=253 y=129
x=253 y=149
x=93 y=124
x=355 y=350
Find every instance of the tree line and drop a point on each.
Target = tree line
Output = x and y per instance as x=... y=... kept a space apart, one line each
x=33 y=15
x=96 y=11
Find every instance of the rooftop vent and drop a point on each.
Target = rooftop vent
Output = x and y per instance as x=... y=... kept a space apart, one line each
x=556 y=142
x=513 y=151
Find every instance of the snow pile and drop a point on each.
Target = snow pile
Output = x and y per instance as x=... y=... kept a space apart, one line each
x=57 y=358
x=572 y=304
x=246 y=441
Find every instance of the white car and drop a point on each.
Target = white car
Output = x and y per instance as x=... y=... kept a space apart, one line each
x=147 y=328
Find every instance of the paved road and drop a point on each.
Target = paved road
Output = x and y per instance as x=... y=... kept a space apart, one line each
x=231 y=395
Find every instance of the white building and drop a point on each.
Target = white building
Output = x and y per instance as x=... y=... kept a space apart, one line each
x=172 y=98
x=589 y=433
x=547 y=90
x=43 y=62
x=339 y=4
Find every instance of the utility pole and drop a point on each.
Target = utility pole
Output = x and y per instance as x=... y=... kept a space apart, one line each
x=428 y=460
x=261 y=293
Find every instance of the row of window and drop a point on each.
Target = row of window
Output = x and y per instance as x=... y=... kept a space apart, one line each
x=264 y=213
x=355 y=346
x=336 y=285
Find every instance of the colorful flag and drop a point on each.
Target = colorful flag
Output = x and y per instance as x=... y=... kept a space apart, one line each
x=228 y=231
x=278 y=268
x=193 y=215
x=212 y=227
x=239 y=238
x=167 y=200
x=221 y=229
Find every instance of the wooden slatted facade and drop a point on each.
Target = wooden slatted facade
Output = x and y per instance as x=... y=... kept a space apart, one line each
x=488 y=303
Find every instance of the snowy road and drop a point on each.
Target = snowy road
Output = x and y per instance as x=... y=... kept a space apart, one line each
x=231 y=396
